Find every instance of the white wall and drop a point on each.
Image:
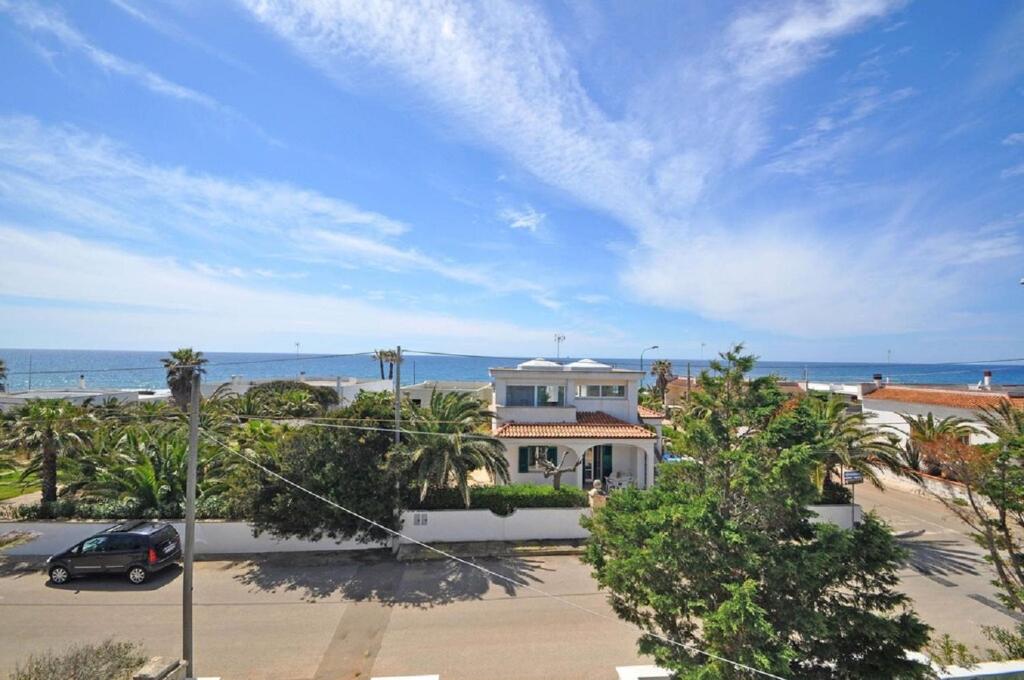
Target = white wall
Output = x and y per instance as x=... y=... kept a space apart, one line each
x=212 y=538
x=445 y=526
x=839 y=515
x=887 y=413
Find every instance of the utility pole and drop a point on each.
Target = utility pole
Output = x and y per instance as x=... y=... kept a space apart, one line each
x=398 y=394
x=806 y=384
x=687 y=382
x=30 y=372
x=190 y=527
x=559 y=338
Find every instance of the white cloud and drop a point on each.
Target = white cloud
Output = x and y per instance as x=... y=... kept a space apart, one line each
x=93 y=182
x=97 y=186
x=500 y=72
x=526 y=218
x=50 y=22
x=1014 y=171
x=593 y=298
x=105 y=296
x=1015 y=138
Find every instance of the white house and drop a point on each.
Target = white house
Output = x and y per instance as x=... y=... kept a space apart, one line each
x=566 y=413
x=885 y=405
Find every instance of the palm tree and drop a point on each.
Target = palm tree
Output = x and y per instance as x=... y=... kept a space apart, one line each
x=929 y=437
x=1005 y=421
x=844 y=438
x=3 y=376
x=388 y=356
x=448 y=443
x=47 y=428
x=181 y=365
x=661 y=369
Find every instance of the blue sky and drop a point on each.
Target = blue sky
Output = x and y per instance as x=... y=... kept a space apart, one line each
x=826 y=181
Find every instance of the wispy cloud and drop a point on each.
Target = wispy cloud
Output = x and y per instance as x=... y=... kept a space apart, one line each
x=52 y=23
x=1014 y=171
x=168 y=302
x=501 y=72
x=1015 y=138
x=525 y=218
x=96 y=186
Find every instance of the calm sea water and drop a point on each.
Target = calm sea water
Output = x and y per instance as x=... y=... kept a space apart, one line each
x=61 y=368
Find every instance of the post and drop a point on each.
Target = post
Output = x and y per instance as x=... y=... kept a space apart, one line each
x=190 y=527
x=853 y=506
x=398 y=394
x=687 y=382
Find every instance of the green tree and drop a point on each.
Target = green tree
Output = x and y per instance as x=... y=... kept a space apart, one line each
x=47 y=429
x=449 y=440
x=839 y=437
x=345 y=460
x=181 y=365
x=661 y=370
x=720 y=554
x=326 y=397
x=389 y=357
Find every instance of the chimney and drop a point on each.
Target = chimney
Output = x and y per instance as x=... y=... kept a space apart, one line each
x=81 y=382
x=877 y=378
x=986 y=380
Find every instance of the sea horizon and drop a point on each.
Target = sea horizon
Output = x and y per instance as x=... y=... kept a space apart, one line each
x=141 y=369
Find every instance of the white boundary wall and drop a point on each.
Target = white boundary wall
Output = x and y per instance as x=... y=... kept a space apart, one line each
x=525 y=524
x=430 y=526
x=839 y=515
x=212 y=538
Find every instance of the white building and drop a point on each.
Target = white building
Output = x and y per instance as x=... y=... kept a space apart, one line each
x=585 y=411
x=420 y=393
x=10 y=401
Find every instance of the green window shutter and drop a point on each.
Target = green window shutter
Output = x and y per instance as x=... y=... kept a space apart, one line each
x=524 y=458
x=553 y=454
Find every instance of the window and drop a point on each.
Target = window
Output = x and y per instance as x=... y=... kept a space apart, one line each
x=598 y=391
x=94 y=544
x=528 y=457
x=519 y=395
x=123 y=542
x=535 y=395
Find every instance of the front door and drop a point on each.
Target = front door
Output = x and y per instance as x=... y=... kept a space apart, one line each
x=597 y=464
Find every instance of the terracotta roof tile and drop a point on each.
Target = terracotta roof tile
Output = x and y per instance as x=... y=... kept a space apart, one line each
x=588 y=425
x=965 y=399
x=645 y=412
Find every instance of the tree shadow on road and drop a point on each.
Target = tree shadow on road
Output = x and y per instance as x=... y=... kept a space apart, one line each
x=381 y=578
x=941 y=557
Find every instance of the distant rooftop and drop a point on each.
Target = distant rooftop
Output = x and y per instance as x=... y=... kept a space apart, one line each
x=541 y=364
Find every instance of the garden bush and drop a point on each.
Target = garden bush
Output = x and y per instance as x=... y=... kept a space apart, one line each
x=501 y=500
x=108 y=660
x=325 y=396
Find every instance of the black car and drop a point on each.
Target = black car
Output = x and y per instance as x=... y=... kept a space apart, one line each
x=135 y=549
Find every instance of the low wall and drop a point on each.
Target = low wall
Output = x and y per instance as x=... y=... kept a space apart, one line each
x=928 y=486
x=840 y=515
x=212 y=538
x=525 y=524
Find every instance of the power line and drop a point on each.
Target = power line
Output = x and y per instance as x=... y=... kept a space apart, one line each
x=473 y=565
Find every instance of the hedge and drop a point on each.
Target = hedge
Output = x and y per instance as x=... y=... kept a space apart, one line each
x=501 y=500
x=206 y=508
x=325 y=396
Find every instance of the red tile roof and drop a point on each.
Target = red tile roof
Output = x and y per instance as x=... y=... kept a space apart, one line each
x=645 y=412
x=965 y=399
x=588 y=425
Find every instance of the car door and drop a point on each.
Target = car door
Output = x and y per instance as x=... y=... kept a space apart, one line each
x=90 y=556
x=119 y=551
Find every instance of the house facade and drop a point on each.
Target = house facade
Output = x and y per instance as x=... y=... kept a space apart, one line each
x=581 y=412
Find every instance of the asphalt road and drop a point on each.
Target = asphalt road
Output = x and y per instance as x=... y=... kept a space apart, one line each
x=329 y=617
x=946 y=573
x=333 y=617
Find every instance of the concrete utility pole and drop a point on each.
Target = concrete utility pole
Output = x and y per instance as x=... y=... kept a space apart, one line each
x=398 y=394
x=190 y=527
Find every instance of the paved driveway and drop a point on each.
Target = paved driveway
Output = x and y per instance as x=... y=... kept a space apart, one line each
x=293 y=616
x=946 y=573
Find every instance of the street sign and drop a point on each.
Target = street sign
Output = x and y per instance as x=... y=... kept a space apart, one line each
x=852 y=477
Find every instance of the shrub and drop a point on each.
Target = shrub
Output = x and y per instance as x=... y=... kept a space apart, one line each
x=325 y=396
x=108 y=660
x=501 y=500
x=208 y=507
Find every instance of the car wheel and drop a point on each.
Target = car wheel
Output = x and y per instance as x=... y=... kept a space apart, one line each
x=137 y=575
x=59 y=575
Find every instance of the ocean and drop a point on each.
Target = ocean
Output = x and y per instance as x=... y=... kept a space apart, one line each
x=48 y=368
